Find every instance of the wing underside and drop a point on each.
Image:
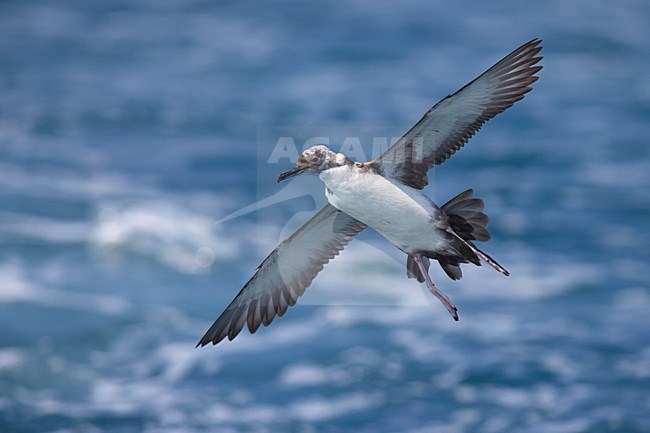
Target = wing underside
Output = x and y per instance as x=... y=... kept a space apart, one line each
x=285 y=274
x=449 y=124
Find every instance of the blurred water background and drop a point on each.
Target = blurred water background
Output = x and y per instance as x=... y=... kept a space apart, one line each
x=128 y=128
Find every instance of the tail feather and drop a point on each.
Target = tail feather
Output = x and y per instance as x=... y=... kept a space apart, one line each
x=468 y=223
x=489 y=260
x=465 y=213
x=451 y=269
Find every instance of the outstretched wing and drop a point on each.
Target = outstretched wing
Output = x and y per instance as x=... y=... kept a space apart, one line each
x=285 y=274
x=447 y=126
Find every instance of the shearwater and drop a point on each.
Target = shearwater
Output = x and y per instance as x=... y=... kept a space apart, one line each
x=385 y=194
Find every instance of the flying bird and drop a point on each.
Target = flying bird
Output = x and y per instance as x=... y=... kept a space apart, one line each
x=385 y=194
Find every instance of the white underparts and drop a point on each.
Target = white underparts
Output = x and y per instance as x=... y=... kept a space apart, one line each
x=403 y=215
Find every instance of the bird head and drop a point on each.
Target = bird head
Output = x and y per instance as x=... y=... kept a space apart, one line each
x=313 y=160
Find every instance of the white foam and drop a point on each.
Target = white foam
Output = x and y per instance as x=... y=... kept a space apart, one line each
x=319 y=409
x=304 y=375
x=16 y=287
x=179 y=238
x=531 y=278
x=10 y=358
x=177 y=360
x=45 y=229
x=68 y=183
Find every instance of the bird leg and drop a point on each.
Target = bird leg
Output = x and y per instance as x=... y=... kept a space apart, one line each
x=433 y=289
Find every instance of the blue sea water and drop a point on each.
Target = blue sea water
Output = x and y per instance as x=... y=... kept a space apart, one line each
x=127 y=129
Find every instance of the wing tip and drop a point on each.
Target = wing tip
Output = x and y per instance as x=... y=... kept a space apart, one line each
x=207 y=340
x=533 y=42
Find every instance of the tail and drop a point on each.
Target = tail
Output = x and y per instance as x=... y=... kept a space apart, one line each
x=468 y=223
x=466 y=216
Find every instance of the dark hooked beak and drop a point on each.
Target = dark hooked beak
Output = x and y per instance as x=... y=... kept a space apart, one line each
x=291 y=173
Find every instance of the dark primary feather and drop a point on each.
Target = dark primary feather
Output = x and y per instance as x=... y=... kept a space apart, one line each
x=285 y=274
x=447 y=126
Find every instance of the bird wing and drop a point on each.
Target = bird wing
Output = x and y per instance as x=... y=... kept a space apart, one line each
x=285 y=274
x=449 y=124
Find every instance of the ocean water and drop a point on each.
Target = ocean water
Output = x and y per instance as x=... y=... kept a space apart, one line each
x=128 y=129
